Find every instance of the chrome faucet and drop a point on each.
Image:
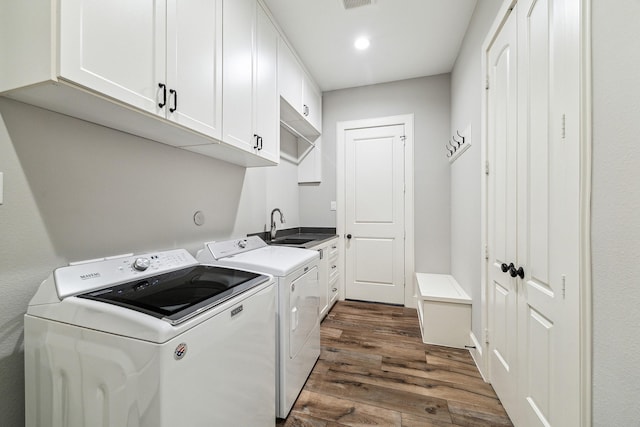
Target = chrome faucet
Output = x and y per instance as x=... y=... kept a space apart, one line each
x=273 y=222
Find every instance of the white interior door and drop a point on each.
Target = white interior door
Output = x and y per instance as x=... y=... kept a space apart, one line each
x=374 y=214
x=502 y=215
x=548 y=205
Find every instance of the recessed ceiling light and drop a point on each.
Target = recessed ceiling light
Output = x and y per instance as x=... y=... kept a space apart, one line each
x=362 y=43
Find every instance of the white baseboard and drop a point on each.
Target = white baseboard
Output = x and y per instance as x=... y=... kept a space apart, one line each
x=477 y=354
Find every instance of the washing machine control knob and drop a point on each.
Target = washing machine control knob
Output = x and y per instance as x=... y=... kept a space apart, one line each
x=141 y=264
x=242 y=244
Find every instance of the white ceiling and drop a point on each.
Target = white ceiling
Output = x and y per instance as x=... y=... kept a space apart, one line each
x=409 y=38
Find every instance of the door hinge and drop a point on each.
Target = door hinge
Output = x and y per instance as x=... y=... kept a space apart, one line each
x=564 y=287
x=486 y=336
x=486 y=167
x=564 y=126
x=486 y=252
x=486 y=83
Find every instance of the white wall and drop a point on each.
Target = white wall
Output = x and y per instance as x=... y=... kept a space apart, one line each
x=466 y=173
x=428 y=99
x=615 y=213
x=74 y=190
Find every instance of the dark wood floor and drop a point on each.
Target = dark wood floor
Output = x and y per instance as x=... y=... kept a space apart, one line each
x=374 y=370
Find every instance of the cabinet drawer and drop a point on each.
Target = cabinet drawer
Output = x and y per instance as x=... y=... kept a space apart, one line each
x=333 y=290
x=333 y=250
x=333 y=270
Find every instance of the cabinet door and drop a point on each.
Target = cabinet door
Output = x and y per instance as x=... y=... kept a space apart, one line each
x=289 y=77
x=237 y=73
x=310 y=166
x=194 y=65
x=266 y=87
x=312 y=104
x=323 y=277
x=115 y=47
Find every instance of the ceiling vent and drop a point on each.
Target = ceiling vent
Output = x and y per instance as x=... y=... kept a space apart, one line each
x=352 y=4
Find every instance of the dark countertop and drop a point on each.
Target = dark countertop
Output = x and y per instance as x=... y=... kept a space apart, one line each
x=314 y=235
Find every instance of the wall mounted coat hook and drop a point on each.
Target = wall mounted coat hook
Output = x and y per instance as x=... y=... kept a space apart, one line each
x=457 y=142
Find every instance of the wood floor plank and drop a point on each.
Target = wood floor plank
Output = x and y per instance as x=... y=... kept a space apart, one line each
x=348 y=357
x=476 y=395
x=374 y=370
x=399 y=400
x=409 y=420
x=435 y=372
x=345 y=412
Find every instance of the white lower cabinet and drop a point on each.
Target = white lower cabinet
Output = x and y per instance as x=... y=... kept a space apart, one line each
x=328 y=274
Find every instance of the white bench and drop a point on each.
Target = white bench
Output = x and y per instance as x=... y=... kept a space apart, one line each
x=444 y=309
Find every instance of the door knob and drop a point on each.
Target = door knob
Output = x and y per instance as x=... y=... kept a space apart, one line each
x=513 y=272
x=504 y=267
x=349 y=236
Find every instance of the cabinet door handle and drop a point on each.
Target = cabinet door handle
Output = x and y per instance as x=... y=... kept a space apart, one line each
x=334 y=266
x=255 y=147
x=305 y=110
x=164 y=95
x=504 y=267
x=175 y=100
x=334 y=289
x=260 y=143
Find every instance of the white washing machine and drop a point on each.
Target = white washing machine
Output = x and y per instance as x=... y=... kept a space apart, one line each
x=155 y=340
x=298 y=308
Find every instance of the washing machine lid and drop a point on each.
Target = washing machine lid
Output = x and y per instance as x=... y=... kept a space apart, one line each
x=275 y=260
x=179 y=295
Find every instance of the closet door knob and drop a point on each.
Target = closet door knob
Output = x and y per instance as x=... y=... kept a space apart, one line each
x=348 y=236
x=516 y=273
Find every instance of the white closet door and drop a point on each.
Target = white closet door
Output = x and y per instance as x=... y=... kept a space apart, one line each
x=548 y=211
x=502 y=227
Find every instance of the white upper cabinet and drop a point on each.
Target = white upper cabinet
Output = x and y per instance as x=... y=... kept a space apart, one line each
x=250 y=91
x=121 y=58
x=194 y=65
x=152 y=68
x=301 y=102
x=311 y=103
x=237 y=72
x=266 y=123
x=290 y=77
x=164 y=58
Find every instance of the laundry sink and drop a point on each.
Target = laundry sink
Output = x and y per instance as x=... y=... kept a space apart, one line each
x=290 y=241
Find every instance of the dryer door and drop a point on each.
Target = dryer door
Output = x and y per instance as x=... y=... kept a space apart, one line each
x=304 y=309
